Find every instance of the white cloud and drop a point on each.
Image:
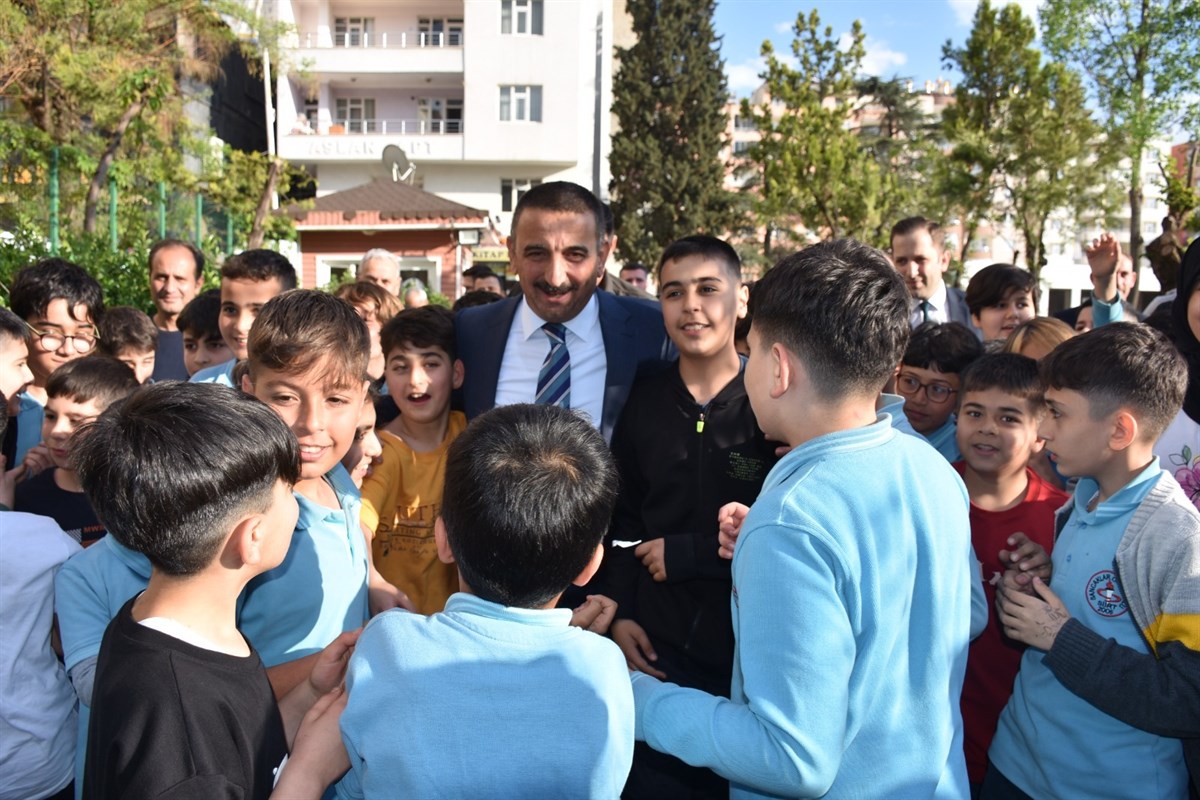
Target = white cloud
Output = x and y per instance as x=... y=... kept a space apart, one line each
x=879 y=59
x=783 y=27
x=744 y=78
x=964 y=10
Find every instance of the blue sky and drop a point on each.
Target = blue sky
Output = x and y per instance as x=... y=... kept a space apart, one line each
x=904 y=37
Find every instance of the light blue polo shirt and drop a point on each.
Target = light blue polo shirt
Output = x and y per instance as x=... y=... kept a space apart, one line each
x=320 y=589
x=945 y=440
x=221 y=373
x=1052 y=743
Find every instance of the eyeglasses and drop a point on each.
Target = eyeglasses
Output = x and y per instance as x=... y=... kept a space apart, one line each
x=937 y=393
x=82 y=343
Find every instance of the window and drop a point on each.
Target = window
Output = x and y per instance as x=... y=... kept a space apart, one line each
x=521 y=17
x=311 y=112
x=357 y=114
x=741 y=148
x=445 y=32
x=353 y=31
x=440 y=115
x=513 y=189
x=520 y=104
x=741 y=123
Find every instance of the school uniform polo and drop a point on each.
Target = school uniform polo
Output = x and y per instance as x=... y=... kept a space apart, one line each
x=320 y=589
x=221 y=373
x=945 y=440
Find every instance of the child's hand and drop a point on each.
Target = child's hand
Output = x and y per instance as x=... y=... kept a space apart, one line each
x=383 y=596
x=652 y=555
x=1103 y=256
x=318 y=756
x=1033 y=620
x=729 y=525
x=1026 y=560
x=635 y=644
x=37 y=459
x=596 y=614
x=330 y=668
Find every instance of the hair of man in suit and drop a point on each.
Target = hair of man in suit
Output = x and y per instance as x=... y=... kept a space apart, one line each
x=913 y=224
x=566 y=198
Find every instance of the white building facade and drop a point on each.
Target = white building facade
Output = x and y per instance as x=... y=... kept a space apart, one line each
x=485 y=97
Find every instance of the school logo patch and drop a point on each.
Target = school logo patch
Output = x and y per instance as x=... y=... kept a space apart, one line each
x=1103 y=593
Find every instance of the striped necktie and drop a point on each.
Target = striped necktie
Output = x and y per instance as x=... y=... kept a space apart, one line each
x=554 y=379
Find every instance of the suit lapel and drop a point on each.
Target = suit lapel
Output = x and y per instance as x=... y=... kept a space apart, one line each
x=620 y=358
x=483 y=374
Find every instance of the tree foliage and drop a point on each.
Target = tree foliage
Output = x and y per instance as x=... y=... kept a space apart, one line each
x=669 y=99
x=1023 y=143
x=1142 y=61
x=811 y=168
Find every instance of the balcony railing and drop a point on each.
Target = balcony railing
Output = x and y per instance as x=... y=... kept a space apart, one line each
x=382 y=39
x=399 y=127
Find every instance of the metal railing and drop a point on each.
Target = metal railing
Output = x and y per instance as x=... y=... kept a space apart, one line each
x=401 y=127
x=382 y=39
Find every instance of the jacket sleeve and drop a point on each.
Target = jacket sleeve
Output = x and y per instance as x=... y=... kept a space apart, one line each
x=620 y=572
x=1158 y=694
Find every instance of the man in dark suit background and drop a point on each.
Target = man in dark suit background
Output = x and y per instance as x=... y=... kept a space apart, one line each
x=558 y=249
x=920 y=256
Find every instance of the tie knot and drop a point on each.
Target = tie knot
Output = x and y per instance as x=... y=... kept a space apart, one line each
x=556 y=331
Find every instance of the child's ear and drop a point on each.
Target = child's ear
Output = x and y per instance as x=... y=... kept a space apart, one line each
x=247 y=384
x=975 y=320
x=1039 y=444
x=582 y=578
x=743 y=305
x=458 y=374
x=784 y=370
x=1125 y=430
x=245 y=543
x=444 y=553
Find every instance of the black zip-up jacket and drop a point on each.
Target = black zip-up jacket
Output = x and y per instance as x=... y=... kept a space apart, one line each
x=680 y=462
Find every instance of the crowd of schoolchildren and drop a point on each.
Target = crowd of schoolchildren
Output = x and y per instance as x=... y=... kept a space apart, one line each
x=882 y=555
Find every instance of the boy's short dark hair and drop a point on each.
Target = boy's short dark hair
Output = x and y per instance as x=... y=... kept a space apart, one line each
x=913 y=224
x=202 y=315
x=260 y=265
x=710 y=248
x=1011 y=373
x=567 y=198
x=478 y=271
x=387 y=305
x=475 y=297
x=99 y=378
x=842 y=309
x=1118 y=365
x=163 y=244
x=297 y=329
x=36 y=286
x=126 y=328
x=992 y=284
x=427 y=326
x=947 y=347
x=523 y=545
x=169 y=470
x=12 y=327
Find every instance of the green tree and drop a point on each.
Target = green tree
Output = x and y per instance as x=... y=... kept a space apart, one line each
x=1142 y=60
x=669 y=99
x=1025 y=145
x=811 y=168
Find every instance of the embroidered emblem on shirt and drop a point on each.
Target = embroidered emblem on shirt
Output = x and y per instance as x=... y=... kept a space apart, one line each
x=1104 y=595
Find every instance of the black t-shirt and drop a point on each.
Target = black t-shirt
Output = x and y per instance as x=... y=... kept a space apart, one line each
x=171 y=720
x=168 y=358
x=71 y=510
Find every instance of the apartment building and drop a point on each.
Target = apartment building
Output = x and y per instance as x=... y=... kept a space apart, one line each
x=485 y=98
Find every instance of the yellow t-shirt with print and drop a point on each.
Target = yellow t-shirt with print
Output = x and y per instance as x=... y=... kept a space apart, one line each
x=401 y=498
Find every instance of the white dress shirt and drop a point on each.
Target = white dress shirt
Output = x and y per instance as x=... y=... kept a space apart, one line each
x=939 y=310
x=528 y=346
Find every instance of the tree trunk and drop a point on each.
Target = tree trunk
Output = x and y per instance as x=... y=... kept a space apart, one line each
x=264 y=205
x=1135 y=221
x=100 y=177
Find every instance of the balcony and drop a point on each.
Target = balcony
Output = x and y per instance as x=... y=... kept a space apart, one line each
x=364 y=140
x=397 y=51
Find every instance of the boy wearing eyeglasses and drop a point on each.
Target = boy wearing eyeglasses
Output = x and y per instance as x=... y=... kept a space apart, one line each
x=62 y=306
x=928 y=381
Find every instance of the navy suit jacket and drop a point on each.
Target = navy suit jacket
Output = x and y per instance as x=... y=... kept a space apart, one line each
x=635 y=342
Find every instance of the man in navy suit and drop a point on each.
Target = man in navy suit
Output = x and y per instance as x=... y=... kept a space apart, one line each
x=558 y=250
x=919 y=255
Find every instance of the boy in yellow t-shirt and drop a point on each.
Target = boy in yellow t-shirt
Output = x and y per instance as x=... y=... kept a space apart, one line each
x=403 y=495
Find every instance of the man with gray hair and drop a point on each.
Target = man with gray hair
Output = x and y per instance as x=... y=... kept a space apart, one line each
x=382 y=268
x=415 y=295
